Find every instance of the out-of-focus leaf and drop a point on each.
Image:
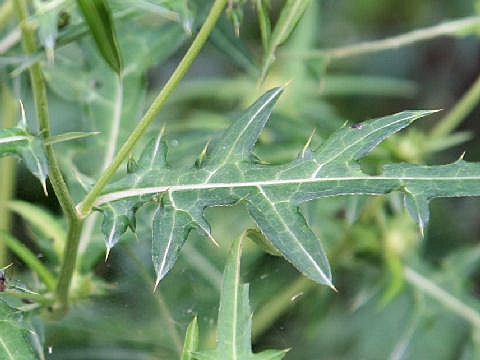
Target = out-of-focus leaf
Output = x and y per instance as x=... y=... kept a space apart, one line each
x=264 y=22
x=225 y=40
x=45 y=222
x=235 y=14
x=13 y=343
x=47 y=14
x=98 y=16
x=234 y=318
x=18 y=141
x=191 y=340
x=291 y=13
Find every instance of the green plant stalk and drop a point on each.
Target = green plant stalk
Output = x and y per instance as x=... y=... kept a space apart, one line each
x=68 y=264
x=74 y=222
x=459 y=112
x=446 y=28
x=30 y=296
x=85 y=207
x=29 y=258
x=451 y=302
x=41 y=108
x=7 y=169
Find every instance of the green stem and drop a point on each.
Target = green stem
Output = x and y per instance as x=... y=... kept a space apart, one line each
x=85 y=206
x=446 y=28
x=451 y=302
x=30 y=259
x=69 y=262
x=60 y=188
x=7 y=169
x=39 y=298
x=40 y=97
x=459 y=112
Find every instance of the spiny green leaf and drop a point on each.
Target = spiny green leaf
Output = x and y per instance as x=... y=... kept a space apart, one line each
x=13 y=344
x=18 y=141
x=99 y=19
x=234 y=317
x=273 y=193
x=191 y=340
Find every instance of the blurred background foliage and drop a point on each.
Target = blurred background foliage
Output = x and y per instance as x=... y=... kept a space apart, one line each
x=399 y=296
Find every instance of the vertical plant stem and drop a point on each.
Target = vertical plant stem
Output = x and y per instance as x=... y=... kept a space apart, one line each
x=85 y=206
x=7 y=169
x=459 y=112
x=74 y=222
x=41 y=108
x=68 y=264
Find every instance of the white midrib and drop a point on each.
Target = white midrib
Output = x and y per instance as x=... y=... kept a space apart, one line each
x=113 y=196
x=293 y=236
x=234 y=144
x=13 y=139
x=317 y=170
x=4 y=345
x=170 y=239
x=235 y=294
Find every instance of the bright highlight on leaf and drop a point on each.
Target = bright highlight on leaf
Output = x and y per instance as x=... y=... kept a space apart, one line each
x=235 y=318
x=19 y=141
x=228 y=173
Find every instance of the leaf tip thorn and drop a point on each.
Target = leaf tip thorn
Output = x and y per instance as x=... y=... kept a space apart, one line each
x=107 y=253
x=162 y=130
x=44 y=187
x=333 y=287
x=287 y=83
x=156 y=283
x=23 y=121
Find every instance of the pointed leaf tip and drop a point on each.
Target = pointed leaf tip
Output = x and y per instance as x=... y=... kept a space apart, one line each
x=157 y=281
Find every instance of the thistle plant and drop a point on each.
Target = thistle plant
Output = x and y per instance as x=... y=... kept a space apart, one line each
x=137 y=175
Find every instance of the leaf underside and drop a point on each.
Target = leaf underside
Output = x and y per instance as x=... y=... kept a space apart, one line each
x=272 y=193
